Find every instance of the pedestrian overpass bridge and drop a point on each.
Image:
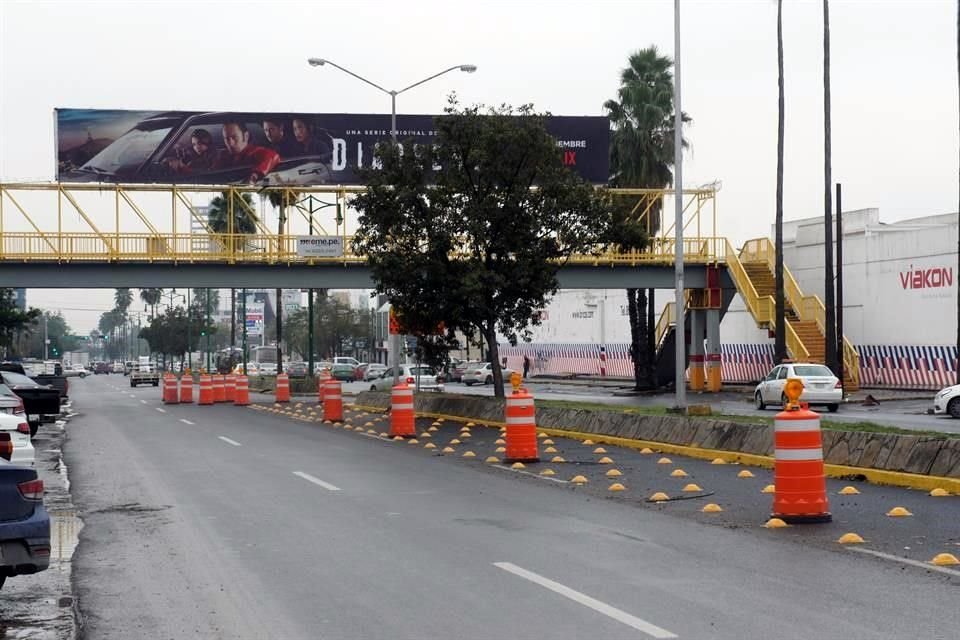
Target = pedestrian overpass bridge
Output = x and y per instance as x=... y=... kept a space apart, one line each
x=66 y=235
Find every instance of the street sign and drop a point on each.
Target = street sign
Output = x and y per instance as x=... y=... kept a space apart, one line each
x=320 y=246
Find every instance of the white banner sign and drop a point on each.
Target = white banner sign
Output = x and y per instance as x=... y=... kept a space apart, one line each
x=254 y=320
x=320 y=246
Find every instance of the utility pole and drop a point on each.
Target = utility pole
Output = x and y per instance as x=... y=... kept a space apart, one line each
x=46 y=338
x=310 y=308
x=830 y=320
x=244 y=311
x=839 y=286
x=207 y=325
x=680 y=381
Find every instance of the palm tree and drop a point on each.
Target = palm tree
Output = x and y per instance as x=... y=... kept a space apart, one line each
x=780 y=340
x=641 y=155
x=281 y=200
x=122 y=299
x=244 y=221
x=151 y=297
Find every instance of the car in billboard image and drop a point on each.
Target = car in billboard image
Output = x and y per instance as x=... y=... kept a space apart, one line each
x=212 y=148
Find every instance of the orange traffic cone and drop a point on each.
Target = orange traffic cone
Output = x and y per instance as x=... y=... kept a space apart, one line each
x=332 y=401
x=521 y=428
x=800 y=488
x=401 y=411
x=283 y=387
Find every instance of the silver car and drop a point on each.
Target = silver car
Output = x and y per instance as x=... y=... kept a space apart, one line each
x=373 y=371
x=422 y=377
x=482 y=373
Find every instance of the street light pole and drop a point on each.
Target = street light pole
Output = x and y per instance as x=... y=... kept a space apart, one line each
x=680 y=381
x=393 y=93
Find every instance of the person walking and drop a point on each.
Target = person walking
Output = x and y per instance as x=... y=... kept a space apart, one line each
x=526 y=366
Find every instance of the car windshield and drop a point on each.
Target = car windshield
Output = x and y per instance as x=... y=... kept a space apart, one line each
x=16 y=379
x=421 y=371
x=812 y=371
x=129 y=150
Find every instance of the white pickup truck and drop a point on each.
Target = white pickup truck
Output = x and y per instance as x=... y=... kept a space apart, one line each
x=144 y=373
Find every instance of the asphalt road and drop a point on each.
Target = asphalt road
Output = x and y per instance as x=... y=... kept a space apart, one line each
x=905 y=414
x=224 y=522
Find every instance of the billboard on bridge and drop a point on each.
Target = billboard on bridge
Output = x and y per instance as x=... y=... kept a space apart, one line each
x=207 y=147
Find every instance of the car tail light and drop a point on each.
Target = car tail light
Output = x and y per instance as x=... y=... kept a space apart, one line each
x=409 y=380
x=6 y=445
x=839 y=385
x=23 y=427
x=31 y=489
x=20 y=408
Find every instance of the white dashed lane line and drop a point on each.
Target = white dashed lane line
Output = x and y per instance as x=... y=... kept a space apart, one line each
x=161 y=410
x=598 y=606
x=185 y=421
x=316 y=481
x=229 y=441
x=144 y=401
x=913 y=563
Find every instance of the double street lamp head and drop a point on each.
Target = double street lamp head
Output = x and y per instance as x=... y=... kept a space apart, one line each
x=316 y=62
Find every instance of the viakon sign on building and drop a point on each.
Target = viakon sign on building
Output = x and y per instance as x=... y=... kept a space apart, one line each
x=218 y=147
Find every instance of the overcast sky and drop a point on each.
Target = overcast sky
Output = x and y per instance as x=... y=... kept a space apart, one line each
x=894 y=72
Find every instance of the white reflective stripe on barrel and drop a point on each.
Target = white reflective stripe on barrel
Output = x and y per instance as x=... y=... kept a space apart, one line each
x=798 y=454
x=519 y=402
x=403 y=394
x=521 y=420
x=334 y=396
x=403 y=406
x=796 y=425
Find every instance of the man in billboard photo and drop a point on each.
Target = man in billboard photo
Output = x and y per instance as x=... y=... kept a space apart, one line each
x=285 y=145
x=200 y=156
x=310 y=144
x=240 y=153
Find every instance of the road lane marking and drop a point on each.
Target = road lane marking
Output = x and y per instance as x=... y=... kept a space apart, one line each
x=316 y=481
x=161 y=410
x=601 y=607
x=913 y=563
x=185 y=421
x=229 y=441
x=527 y=473
x=144 y=401
x=132 y=396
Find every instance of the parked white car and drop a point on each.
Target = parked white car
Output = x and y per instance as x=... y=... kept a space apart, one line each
x=482 y=373
x=947 y=401
x=267 y=368
x=820 y=386
x=19 y=430
x=373 y=371
x=421 y=376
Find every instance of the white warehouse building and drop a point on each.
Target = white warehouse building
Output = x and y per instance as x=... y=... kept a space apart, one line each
x=900 y=308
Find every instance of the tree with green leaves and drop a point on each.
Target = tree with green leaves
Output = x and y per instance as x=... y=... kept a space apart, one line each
x=14 y=320
x=641 y=156
x=151 y=297
x=470 y=245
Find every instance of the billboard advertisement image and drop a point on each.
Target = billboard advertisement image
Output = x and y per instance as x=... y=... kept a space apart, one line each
x=218 y=147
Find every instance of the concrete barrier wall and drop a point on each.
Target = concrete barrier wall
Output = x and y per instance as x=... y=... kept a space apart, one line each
x=890 y=452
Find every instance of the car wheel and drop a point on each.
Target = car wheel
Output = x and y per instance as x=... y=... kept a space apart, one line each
x=133 y=385
x=758 y=401
x=373 y=387
x=469 y=383
x=156 y=384
x=953 y=408
x=489 y=380
x=832 y=408
x=2 y=580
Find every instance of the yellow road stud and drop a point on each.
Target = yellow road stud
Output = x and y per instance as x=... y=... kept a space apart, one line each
x=898 y=512
x=605 y=460
x=599 y=450
x=775 y=523
x=448 y=449
x=492 y=460
x=659 y=496
x=518 y=465
x=499 y=441
x=541 y=435
x=692 y=488
x=939 y=493
x=557 y=459
x=646 y=451
x=745 y=474
x=769 y=489
x=469 y=454
x=945 y=560
x=718 y=461
x=471 y=424
x=429 y=445
x=678 y=473
x=713 y=507
x=850 y=538
x=548 y=472
x=613 y=473
x=849 y=491
x=550 y=450
x=616 y=486
x=500 y=449
x=413 y=441
x=548 y=441
x=397 y=438
x=455 y=441
x=578 y=480
x=664 y=461
x=589 y=443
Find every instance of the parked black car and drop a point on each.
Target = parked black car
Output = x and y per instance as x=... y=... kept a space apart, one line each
x=24 y=522
x=41 y=402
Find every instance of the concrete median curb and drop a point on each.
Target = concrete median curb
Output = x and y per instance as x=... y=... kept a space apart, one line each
x=840 y=448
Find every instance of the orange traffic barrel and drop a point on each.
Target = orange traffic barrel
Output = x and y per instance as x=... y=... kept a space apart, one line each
x=229 y=387
x=241 y=396
x=333 y=400
x=800 y=487
x=324 y=376
x=170 y=395
x=283 y=387
x=186 y=389
x=401 y=411
x=521 y=428
x=206 y=390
